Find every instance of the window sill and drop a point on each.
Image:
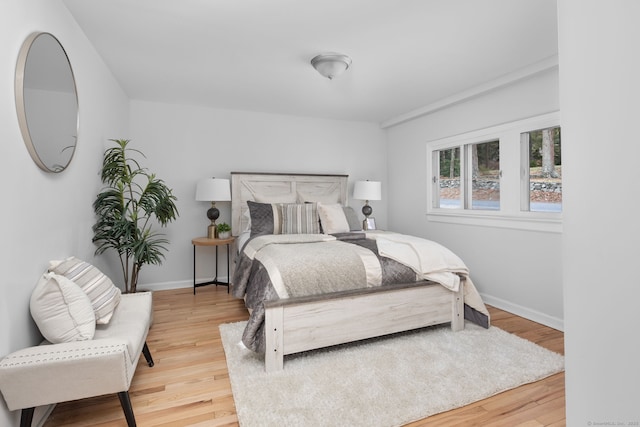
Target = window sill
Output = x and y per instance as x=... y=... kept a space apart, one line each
x=528 y=221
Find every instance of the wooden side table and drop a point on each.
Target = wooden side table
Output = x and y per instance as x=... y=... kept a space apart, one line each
x=205 y=241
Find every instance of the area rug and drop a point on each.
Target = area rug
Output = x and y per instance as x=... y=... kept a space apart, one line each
x=382 y=382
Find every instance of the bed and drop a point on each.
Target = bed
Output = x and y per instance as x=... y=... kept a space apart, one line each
x=369 y=285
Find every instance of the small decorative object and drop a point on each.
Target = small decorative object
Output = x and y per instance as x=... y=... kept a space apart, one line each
x=371 y=224
x=132 y=197
x=224 y=230
x=213 y=190
x=367 y=190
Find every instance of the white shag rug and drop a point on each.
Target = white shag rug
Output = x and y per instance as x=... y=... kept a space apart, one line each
x=385 y=381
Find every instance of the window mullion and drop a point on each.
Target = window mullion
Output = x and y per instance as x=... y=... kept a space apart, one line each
x=467 y=176
x=435 y=179
x=525 y=200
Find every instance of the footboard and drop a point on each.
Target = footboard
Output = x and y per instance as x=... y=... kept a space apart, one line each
x=301 y=324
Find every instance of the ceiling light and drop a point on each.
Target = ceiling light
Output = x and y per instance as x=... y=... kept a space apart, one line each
x=331 y=65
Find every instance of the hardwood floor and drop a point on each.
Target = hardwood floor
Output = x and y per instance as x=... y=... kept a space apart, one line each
x=189 y=384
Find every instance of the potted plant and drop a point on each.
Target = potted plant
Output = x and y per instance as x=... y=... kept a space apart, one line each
x=126 y=207
x=224 y=230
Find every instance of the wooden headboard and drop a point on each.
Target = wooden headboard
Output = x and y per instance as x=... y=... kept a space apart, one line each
x=282 y=188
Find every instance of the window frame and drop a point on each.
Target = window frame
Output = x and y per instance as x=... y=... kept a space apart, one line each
x=514 y=178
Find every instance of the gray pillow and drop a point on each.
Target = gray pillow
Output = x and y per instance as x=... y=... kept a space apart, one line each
x=265 y=218
x=352 y=219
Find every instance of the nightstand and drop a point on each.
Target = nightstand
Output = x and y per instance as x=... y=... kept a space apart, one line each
x=205 y=241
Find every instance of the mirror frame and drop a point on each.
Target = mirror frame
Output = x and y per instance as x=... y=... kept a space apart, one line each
x=20 y=101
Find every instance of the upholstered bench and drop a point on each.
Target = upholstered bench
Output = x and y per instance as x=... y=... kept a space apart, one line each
x=86 y=365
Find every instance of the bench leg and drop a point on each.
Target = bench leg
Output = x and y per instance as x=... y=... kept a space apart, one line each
x=27 y=417
x=126 y=407
x=147 y=355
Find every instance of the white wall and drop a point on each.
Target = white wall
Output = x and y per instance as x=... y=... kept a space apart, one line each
x=184 y=144
x=599 y=91
x=47 y=216
x=520 y=271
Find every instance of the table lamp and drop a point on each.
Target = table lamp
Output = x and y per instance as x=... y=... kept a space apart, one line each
x=367 y=190
x=213 y=190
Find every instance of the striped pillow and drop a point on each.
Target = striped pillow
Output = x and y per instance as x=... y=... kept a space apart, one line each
x=104 y=295
x=300 y=218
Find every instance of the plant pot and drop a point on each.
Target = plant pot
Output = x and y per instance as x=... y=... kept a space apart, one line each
x=224 y=234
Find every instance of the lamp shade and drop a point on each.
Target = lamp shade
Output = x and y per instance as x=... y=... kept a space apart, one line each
x=213 y=190
x=367 y=190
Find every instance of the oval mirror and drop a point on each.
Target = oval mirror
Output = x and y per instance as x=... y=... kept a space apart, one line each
x=47 y=102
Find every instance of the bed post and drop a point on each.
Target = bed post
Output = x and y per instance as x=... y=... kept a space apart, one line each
x=274 y=350
x=457 y=308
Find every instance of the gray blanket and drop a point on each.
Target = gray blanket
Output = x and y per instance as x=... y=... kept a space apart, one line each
x=273 y=267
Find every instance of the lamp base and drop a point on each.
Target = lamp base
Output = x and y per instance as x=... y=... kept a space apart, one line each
x=367 y=209
x=212 y=231
x=368 y=223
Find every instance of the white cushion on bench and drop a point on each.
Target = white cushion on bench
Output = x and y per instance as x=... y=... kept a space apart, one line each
x=129 y=323
x=52 y=373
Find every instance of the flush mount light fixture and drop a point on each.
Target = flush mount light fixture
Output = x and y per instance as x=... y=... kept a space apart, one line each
x=331 y=65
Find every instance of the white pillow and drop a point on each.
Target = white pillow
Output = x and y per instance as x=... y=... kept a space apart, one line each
x=62 y=310
x=102 y=293
x=333 y=218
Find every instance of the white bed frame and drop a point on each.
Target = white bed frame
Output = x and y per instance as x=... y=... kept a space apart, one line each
x=294 y=325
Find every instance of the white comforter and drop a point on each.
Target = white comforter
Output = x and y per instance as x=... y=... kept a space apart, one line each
x=430 y=261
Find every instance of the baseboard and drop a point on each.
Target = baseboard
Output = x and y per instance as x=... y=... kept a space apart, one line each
x=178 y=284
x=527 y=313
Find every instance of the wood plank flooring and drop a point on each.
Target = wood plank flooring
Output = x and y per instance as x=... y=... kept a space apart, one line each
x=189 y=384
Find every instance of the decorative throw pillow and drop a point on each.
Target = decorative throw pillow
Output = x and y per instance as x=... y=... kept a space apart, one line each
x=102 y=293
x=265 y=218
x=62 y=311
x=333 y=218
x=352 y=219
x=300 y=218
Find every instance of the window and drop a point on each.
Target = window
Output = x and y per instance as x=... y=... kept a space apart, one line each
x=485 y=175
x=449 y=185
x=481 y=188
x=506 y=176
x=542 y=170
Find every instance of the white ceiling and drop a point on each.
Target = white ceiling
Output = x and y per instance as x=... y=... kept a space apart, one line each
x=254 y=54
